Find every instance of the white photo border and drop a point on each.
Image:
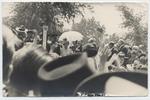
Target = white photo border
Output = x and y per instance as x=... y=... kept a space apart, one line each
x=74 y=98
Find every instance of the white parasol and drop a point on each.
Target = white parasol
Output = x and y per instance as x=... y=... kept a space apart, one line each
x=71 y=36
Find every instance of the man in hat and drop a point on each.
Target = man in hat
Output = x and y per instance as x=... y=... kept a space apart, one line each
x=30 y=36
x=21 y=32
x=52 y=44
x=91 y=47
x=120 y=45
x=111 y=50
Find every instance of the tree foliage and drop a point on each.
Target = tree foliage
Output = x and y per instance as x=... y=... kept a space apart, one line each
x=131 y=21
x=114 y=37
x=90 y=28
x=34 y=14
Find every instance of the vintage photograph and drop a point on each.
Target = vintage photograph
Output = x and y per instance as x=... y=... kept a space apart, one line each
x=74 y=49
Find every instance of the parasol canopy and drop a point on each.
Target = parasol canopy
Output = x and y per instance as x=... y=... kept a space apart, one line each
x=71 y=36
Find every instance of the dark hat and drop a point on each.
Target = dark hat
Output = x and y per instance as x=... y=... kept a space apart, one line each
x=111 y=43
x=61 y=76
x=30 y=31
x=96 y=83
x=91 y=50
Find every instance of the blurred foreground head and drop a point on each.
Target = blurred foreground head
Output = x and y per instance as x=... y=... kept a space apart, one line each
x=115 y=84
x=10 y=44
x=26 y=63
x=61 y=76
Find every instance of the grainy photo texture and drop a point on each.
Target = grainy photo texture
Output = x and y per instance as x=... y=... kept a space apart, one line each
x=53 y=49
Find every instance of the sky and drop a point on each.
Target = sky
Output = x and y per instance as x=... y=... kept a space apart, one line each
x=105 y=13
x=111 y=18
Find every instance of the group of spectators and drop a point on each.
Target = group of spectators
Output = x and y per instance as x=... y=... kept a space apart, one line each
x=131 y=58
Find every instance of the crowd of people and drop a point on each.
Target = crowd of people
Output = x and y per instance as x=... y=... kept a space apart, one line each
x=26 y=53
x=130 y=58
x=62 y=48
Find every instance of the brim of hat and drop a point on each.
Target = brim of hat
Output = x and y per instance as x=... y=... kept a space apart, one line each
x=62 y=67
x=18 y=30
x=96 y=83
x=29 y=31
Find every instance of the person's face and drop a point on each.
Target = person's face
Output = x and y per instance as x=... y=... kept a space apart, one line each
x=33 y=35
x=134 y=55
x=139 y=52
x=143 y=60
x=120 y=43
x=121 y=60
x=136 y=64
x=66 y=45
x=53 y=39
x=110 y=45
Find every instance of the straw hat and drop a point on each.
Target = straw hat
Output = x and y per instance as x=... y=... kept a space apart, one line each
x=61 y=76
x=100 y=83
